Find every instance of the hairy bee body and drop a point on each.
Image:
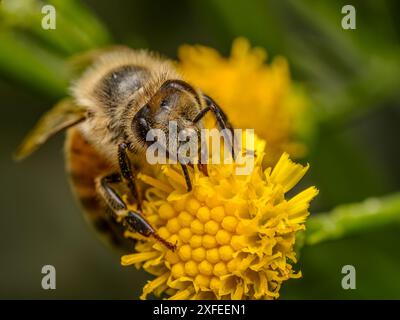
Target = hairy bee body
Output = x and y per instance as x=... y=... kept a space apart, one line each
x=113 y=90
x=84 y=164
x=118 y=100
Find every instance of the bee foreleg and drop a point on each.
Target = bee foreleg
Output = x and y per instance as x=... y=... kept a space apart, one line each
x=222 y=121
x=187 y=177
x=130 y=218
x=127 y=174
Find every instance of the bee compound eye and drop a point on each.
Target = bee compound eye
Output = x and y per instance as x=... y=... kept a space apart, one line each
x=164 y=105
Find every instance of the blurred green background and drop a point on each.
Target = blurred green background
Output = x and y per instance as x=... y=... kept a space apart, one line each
x=352 y=77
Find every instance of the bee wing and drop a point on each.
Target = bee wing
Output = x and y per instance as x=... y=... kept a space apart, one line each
x=80 y=61
x=63 y=115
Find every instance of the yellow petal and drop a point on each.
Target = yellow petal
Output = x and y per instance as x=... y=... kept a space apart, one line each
x=130 y=259
x=287 y=173
x=300 y=203
x=155 y=183
x=181 y=295
x=152 y=285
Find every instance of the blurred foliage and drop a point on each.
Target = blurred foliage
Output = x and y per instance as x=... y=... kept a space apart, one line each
x=351 y=75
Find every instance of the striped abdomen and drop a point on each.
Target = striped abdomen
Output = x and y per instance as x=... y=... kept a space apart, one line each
x=84 y=165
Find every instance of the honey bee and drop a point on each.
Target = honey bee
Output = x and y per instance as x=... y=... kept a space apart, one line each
x=119 y=97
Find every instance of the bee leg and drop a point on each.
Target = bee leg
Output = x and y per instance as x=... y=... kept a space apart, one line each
x=222 y=121
x=203 y=157
x=136 y=222
x=127 y=174
x=132 y=219
x=187 y=177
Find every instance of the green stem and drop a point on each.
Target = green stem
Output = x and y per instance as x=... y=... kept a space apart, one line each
x=83 y=19
x=77 y=29
x=25 y=61
x=37 y=57
x=350 y=219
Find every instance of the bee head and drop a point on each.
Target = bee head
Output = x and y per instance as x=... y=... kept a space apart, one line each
x=175 y=105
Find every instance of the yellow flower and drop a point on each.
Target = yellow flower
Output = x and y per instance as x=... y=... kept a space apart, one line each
x=252 y=93
x=234 y=233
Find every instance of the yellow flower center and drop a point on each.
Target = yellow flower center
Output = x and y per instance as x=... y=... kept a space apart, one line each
x=234 y=234
x=207 y=239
